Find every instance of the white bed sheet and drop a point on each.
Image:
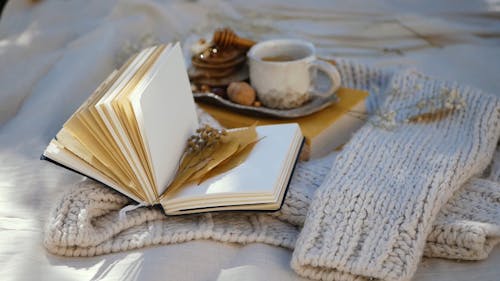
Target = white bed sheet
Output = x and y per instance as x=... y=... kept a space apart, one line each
x=53 y=54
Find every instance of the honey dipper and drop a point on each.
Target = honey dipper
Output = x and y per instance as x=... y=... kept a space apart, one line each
x=225 y=37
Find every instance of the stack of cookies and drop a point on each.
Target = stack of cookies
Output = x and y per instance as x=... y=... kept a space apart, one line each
x=217 y=63
x=219 y=67
x=215 y=67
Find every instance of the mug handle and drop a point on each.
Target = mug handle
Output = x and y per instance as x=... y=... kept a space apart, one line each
x=332 y=72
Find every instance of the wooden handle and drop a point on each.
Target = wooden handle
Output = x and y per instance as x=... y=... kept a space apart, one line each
x=224 y=38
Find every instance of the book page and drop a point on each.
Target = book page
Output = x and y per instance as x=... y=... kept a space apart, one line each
x=81 y=128
x=113 y=125
x=127 y=116
x=166 y=115
x=79 y=138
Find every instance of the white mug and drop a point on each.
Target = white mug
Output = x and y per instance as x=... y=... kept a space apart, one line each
x=283 y=72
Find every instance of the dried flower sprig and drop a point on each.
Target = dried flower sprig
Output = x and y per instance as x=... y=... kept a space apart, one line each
x=209 y=149
x=205 y=136
x=431 y=109
x=431 y=116
x=385 y=120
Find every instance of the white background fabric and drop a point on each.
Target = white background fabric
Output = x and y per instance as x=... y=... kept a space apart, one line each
x=53 y=54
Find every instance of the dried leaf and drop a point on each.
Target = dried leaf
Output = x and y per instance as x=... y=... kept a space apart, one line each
x=431 y=116
x=182 y=177
x=225 y=151
x=232 y=162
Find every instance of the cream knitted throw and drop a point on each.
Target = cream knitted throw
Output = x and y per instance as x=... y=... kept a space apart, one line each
x=396 y=185
x=375 y=209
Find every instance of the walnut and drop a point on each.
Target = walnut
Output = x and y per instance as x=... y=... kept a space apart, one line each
x=241 y=93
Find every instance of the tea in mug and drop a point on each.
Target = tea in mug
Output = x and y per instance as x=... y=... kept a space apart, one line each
x=281 y=58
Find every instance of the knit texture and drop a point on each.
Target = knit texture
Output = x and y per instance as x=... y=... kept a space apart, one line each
x=371 y=216
x=466 y=228
x=85 y=223
x=349 y=236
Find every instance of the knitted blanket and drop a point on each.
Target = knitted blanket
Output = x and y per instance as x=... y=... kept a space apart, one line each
x=408 y=184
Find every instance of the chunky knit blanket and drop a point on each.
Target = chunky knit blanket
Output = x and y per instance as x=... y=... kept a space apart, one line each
x=420 y=178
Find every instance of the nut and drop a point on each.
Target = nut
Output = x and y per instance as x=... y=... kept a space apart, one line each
x=241 y=93
x=205 y=88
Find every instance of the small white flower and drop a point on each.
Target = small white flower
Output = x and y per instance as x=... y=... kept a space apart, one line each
x=431 y=104
x=453 y=94
x=449 y=105
x=421 y=104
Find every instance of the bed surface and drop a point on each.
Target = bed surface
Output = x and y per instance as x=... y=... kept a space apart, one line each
x=53 y=54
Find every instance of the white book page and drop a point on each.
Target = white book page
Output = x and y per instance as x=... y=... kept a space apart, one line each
x=166 y=115
x=258 y=175
x=114 y=126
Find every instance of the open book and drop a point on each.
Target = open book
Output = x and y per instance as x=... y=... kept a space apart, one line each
x=132 y=132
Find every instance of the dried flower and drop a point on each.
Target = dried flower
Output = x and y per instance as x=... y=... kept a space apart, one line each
x=205 y=136
x=211 y=151
x=431 y=109
x=453 y=100
x=421 y=104
x=385 y=120
x=431 y=116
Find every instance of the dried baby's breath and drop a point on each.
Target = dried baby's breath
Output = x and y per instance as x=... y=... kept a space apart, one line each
x=205 y=136
x=385 y=120
x=432 y=109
